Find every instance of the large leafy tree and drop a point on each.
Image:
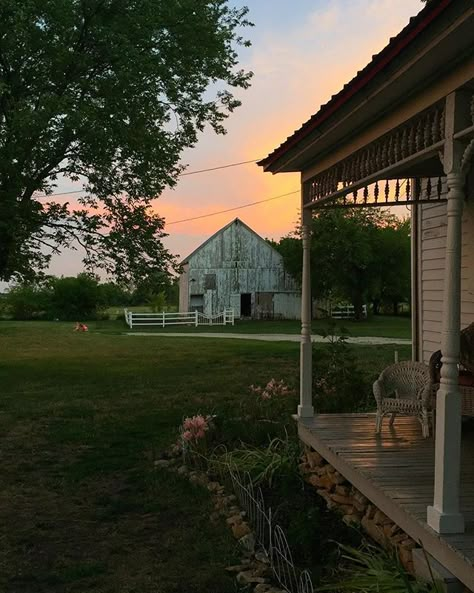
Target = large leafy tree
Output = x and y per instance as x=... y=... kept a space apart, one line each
x=109 y=93
x=391 y=276
x=362 y=255
x=343 y=250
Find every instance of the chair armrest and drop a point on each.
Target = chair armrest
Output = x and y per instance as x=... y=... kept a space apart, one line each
x=427 y=395
x=379 y=391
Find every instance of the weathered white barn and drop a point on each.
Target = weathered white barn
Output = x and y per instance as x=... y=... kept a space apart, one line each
x=237 y=268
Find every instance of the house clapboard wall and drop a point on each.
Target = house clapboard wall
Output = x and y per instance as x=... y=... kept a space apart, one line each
x=431 y=257
x=237 y=268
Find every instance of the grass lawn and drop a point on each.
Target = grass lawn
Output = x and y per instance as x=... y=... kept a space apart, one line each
x=376 y=326
x=82 y=418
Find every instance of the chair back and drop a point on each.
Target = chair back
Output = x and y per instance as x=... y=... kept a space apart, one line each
x=407 y=380
x=467 y=348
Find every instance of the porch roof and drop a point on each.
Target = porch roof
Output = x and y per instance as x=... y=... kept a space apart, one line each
x=431 y=44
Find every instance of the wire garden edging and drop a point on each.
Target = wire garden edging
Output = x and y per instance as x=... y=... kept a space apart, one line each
x=270 y=536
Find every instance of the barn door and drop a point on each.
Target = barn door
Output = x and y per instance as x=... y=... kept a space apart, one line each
x=235 y=304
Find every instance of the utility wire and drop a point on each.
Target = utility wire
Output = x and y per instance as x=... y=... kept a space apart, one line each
x=79 y=191
x=220 y=167
x=232 y=209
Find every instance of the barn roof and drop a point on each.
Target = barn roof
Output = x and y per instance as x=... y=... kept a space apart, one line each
x=224 y=228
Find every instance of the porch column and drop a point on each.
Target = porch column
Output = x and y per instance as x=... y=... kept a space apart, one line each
x=305 y=409
x=444 y=516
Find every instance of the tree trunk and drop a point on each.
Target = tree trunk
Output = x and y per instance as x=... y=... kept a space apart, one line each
x=358 y=304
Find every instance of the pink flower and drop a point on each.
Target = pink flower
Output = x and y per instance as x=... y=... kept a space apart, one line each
x=195 y=428
x=272 y=389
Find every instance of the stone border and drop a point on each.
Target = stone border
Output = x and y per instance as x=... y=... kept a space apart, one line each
x=355 y=508
x=254 y=569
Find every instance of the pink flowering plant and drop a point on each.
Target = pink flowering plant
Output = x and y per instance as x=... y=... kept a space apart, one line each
x=272 y=390
x=195 y=434
x=274 y=400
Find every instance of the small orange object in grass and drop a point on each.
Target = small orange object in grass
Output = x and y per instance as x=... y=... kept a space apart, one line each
x=81 y=327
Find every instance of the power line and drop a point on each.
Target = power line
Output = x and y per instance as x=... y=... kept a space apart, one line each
x=232 y=209
x=79 y=191
x=63 y=193
x=220 y=167
x=243 y=206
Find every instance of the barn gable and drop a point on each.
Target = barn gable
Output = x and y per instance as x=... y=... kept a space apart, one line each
x=237 y=268
x=236 y=243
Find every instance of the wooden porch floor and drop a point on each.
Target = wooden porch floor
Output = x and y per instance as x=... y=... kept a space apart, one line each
x=395 y=471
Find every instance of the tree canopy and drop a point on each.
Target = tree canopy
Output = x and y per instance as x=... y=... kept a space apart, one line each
x=360 y=255
x=108 y=93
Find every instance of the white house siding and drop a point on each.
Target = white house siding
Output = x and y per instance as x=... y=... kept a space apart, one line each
x=432 y=246
x=237 y=261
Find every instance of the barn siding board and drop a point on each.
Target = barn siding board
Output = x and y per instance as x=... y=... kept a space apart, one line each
x=432 y=271
x=243 y=263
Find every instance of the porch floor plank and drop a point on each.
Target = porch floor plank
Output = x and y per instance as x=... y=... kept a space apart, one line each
x=395 y=470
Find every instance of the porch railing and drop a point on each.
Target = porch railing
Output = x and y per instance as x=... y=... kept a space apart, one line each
x=163 y=319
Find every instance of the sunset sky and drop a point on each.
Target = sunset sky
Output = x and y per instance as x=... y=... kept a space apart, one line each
x=302 y=52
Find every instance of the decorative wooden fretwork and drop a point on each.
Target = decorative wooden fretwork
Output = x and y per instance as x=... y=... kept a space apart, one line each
x=391 y=192
x=376 y=174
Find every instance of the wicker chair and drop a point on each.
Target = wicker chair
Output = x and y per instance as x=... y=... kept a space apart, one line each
x=404 y=388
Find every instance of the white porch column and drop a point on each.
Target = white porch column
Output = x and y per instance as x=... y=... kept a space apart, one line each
x=445 y=516
x=305 y=409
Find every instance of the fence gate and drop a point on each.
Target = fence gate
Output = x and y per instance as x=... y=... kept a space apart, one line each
x=163 y=319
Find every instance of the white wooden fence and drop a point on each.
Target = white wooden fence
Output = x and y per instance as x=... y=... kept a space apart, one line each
x=346 y=312
x=163 y=319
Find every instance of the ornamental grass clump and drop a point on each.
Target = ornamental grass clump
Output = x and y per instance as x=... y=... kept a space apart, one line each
x=371 y=570
x=262 y=464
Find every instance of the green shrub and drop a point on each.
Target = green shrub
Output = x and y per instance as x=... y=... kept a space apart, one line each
x=76 y=298
x=28 y=301
x=339 y=385
x=157 y=302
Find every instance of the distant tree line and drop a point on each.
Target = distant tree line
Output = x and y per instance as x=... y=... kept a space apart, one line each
x=362 y=256
x=85 y=297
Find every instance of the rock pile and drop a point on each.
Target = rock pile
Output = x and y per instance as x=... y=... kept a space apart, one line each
x=254 y=570
x=355 y=508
